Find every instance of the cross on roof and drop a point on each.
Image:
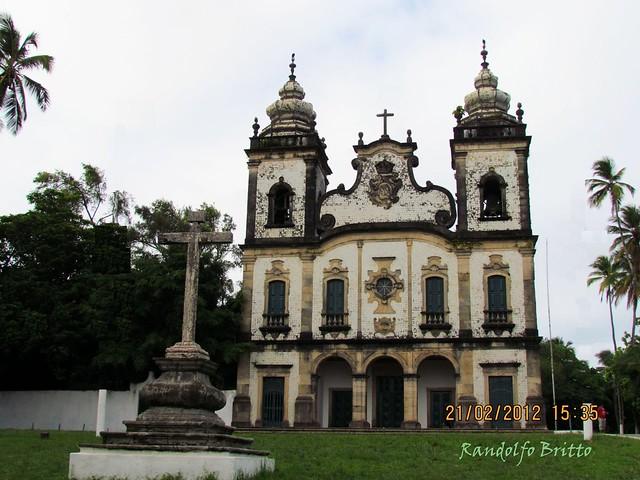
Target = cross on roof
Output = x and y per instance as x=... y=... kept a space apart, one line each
x=384 y=116
x=193 y=238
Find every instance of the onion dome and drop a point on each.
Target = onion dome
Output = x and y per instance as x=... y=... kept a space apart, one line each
x=290 y=115
x=487 y=103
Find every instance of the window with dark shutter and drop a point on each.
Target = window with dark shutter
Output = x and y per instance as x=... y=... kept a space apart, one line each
x=435 y=299
x=276 y=307
x=335 y=302
x=497 y=293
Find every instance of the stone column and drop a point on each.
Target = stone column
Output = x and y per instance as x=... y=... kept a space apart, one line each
x=359 y=402
x=411 y=401
x=534 y=391
x=360 y=243
x=528 y=276
x=242 y=402
x=464 y=390
x=306 y=320
x=305 y=406
x=409 y=289
x=248 y=264
x=463 y=252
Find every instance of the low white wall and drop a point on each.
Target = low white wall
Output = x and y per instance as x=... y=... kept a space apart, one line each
x=76 y=410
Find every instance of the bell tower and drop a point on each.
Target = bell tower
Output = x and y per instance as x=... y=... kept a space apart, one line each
x=287 y=170
x=489 y=153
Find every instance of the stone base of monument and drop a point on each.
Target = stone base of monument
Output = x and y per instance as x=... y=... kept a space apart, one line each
x=178 y=431
x=142 y=463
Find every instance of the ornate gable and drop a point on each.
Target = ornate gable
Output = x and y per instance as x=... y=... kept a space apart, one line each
x=385 y=191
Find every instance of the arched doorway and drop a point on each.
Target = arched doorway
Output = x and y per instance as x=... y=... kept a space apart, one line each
x=385 y=393
x=334 y=394
x=436 y=390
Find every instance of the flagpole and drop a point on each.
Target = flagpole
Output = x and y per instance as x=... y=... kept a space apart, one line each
x=553 y=377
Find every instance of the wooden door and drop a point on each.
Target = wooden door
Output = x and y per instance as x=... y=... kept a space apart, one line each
x=389 y=401
x=341 y=408
x=439 y=400
x=501 y=393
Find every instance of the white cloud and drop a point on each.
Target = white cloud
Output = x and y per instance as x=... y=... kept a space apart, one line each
x=162 y=96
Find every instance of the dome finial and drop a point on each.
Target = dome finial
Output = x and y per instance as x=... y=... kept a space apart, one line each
x=292 y=66
x=484 y=52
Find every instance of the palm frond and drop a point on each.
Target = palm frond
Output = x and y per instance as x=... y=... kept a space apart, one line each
x=30 y=40
x=12 y=111
x=37 y=61
x=37 y=90
x=10 y=36
x=21 y=97
x=607 y=272
x=5 y=81
x=606 y=182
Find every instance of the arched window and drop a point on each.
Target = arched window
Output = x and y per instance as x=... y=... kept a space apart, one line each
x=435 y=299
x=335 y=302
x=492 y=197
x=497 y=298
x=280 y=205
x=276 y=303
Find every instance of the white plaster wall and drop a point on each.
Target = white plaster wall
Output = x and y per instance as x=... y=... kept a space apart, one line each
x=273 y=357
x=294 y=265
x=476 y=264
x=421 y=252
x=500 y=356
x=293 y=172
x=76 y=410
x=433 y=374
x=348 y=253
x=332 y=375
x=505 y=164
x=412 y=205
x=394 y=248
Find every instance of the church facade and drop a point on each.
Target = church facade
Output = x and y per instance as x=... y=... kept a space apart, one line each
x=392 y=303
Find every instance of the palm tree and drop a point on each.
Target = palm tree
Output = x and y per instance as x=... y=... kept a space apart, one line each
x=14 y=60
x=627 y=246
x=608 y=274
x=607 y=183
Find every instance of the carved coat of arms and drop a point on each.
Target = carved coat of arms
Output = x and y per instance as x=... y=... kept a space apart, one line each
x=383 y=187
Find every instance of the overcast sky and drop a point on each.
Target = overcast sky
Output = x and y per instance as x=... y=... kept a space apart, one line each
x=162 y=95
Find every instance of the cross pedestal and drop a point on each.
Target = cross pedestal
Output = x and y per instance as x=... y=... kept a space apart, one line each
x=178 y=408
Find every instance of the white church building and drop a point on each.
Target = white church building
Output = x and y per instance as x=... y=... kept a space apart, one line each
x=393 y=303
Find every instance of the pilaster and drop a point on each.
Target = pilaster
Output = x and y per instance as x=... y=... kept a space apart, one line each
x=306 y=301
x=464 y=389
x=359 y=405
x=463 y=253
x=410 y=401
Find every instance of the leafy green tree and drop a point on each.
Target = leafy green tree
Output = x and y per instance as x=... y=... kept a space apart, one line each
x=88 y=194
x=627 y=248
x=15 y=59
x=72 y=317
x=607 y=183
x=626 y=364
x=576 y=382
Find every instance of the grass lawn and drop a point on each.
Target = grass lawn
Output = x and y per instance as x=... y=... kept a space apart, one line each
x=342 y=456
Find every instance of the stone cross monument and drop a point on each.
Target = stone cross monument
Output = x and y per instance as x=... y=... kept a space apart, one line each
x=177 y=431
x=188 y=347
